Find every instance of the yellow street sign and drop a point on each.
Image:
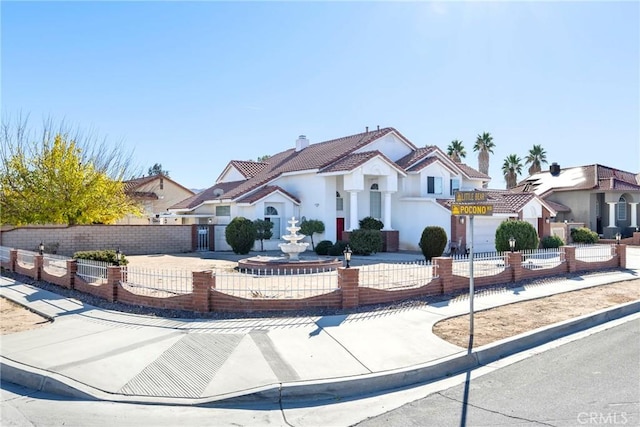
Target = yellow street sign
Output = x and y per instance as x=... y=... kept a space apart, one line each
x=463 y=209
x=471 y=196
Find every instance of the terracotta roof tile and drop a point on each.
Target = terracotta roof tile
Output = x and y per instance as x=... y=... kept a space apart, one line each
x=217 y=192
x=248 y=169
x=503 y=201
x=264 y=192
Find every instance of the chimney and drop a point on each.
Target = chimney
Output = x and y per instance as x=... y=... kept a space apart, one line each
x=378 y=128
x=366 y=129
x=301 y=143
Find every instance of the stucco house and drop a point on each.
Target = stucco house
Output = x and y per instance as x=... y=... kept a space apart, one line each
x=155 y=193
x=602 y=198
x=378 y=173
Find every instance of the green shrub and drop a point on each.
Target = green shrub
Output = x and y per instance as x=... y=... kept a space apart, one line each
x=323 y=247
x=365 y=242
x=338 y=248
x=241 y=234
x=107 y=255
x=433 y=241
x=263 y=231
x=552 y=242
x=583 y=235
x=370 y=223
x=525 y=234
x=311 y=226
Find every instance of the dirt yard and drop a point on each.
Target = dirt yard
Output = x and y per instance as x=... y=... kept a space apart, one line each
x=16 y=318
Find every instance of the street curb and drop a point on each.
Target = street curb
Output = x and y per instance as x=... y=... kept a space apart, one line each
x=332 y=389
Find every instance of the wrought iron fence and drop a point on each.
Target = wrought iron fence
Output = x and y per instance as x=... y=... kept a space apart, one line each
x=274 y=284
x=93 y=271
x=484 y=264
x=157 y=283
x=542 y=258
x=397 y=276
x=595 y=252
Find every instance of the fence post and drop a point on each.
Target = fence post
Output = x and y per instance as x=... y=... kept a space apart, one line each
x=348 y=281
x=570 y=258
x=621 y=252
x=515 y=262
x=13 y=259
x=114 y=276
x=38 y=263
x=444 y=268
x=72 y=269
x=202 y=281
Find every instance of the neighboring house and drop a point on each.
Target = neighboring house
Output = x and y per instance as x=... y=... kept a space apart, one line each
x=604 y=199
x=155 y=193
x=376 y=173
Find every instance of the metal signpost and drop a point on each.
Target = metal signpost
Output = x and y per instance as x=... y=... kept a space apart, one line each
x=469 y=203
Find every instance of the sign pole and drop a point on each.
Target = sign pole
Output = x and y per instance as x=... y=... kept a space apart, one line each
x=471 y=288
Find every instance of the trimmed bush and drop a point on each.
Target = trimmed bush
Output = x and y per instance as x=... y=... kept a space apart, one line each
x=584 y=235
x=365 y=242
x=263 y=231
x=433 y=241
x=107 y=255
x=526 y=236
x=323 y=247
x=241 y=234
x=338 y=248
x=310 y=227
x=370 y=223
x=552 y=242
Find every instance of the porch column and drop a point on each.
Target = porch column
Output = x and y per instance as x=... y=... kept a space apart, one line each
x=634 y=214
x=353 y=210
x=386 y=211
x=612 y=214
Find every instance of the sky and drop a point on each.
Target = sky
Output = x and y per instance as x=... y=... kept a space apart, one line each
x=194 y=85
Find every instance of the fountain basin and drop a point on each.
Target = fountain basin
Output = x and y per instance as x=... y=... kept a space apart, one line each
x=282 y=265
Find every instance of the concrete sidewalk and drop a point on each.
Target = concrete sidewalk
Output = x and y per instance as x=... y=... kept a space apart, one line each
x=98 y=354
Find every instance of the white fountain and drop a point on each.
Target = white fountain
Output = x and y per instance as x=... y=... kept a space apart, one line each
x=293 y=247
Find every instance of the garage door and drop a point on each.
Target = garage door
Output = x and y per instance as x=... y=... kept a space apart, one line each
x=484 y=233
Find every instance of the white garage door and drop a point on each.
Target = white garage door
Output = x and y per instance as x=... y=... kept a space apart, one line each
x=484 y=233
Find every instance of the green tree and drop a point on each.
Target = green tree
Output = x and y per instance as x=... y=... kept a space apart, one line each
x=484 y=145
x=63 y=178
x=311 y=226
x=156 y=169
x=240 y=234
x=264 y=158
x=511 y=168
x=263 y=231
x=536 y=157
x=456 y=151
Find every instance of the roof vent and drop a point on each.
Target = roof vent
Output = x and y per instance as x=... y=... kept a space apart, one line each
x=301 y=143
x=554 y=169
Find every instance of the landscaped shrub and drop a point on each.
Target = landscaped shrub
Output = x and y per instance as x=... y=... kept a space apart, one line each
x=241 y=234
x=525 y=234
x=365 y=242
x=107 y=255
x=309 y=227
x=552 y=242
x=583 y=235
x=370 y=223
x=338 y=248
x=263 y=231
x=323 y=247
x=433 y=241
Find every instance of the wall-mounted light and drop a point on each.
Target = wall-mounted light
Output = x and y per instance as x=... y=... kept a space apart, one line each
x=316 y=204
x=546 y=220
x=461 y=220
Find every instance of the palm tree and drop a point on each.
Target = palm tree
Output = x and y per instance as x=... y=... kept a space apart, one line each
x=536 y=157
x=456 y=151
x=484 y=145
x=511 y=168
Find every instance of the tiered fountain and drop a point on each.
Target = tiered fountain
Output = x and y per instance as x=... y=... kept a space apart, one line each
x=290 y=263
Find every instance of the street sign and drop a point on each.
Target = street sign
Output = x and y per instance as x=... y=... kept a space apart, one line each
x=470 y=196
x=475 y=209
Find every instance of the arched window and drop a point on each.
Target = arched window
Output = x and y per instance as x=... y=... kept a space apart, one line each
x=621 y=208
x=271 y=215
x=375 y=202
x=339 y=202
x=270 y=210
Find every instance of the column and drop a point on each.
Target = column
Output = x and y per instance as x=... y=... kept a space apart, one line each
x=353 y=210
x=386 y=211
x=612 y=214
x=634 y=215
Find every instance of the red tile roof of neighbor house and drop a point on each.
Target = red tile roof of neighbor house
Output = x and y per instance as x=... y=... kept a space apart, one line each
x=131 y=186
x=503 y=201
x=336 y=155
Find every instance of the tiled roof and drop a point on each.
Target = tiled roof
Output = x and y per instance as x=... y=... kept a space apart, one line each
x=143 y=195
x=217 y=192
x=248 y=169
x=471 y=172
x=131 y=185
x=350 y=161
x=558 y=207
x=503 y=201
x=412 y=159
x=264 y=192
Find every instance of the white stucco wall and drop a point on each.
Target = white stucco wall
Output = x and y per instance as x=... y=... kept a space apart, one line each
x=389 y=145
x=410 y=217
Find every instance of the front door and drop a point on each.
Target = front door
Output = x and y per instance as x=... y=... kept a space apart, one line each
x=339 y=228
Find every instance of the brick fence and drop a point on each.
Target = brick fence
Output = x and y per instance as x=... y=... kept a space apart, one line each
x=349 y=293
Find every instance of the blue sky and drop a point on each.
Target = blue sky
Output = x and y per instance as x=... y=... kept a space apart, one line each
x=193 y=85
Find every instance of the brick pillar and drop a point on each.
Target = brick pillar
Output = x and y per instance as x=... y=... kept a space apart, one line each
x=202 y=281
x=114 y=277
x=515 y=263
x=72 y=269
x=348 y=280
x=444 y=269
x=38 y=264
x=570 y=258
x=636 y=238
x=13 y=259
x=621 y=252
